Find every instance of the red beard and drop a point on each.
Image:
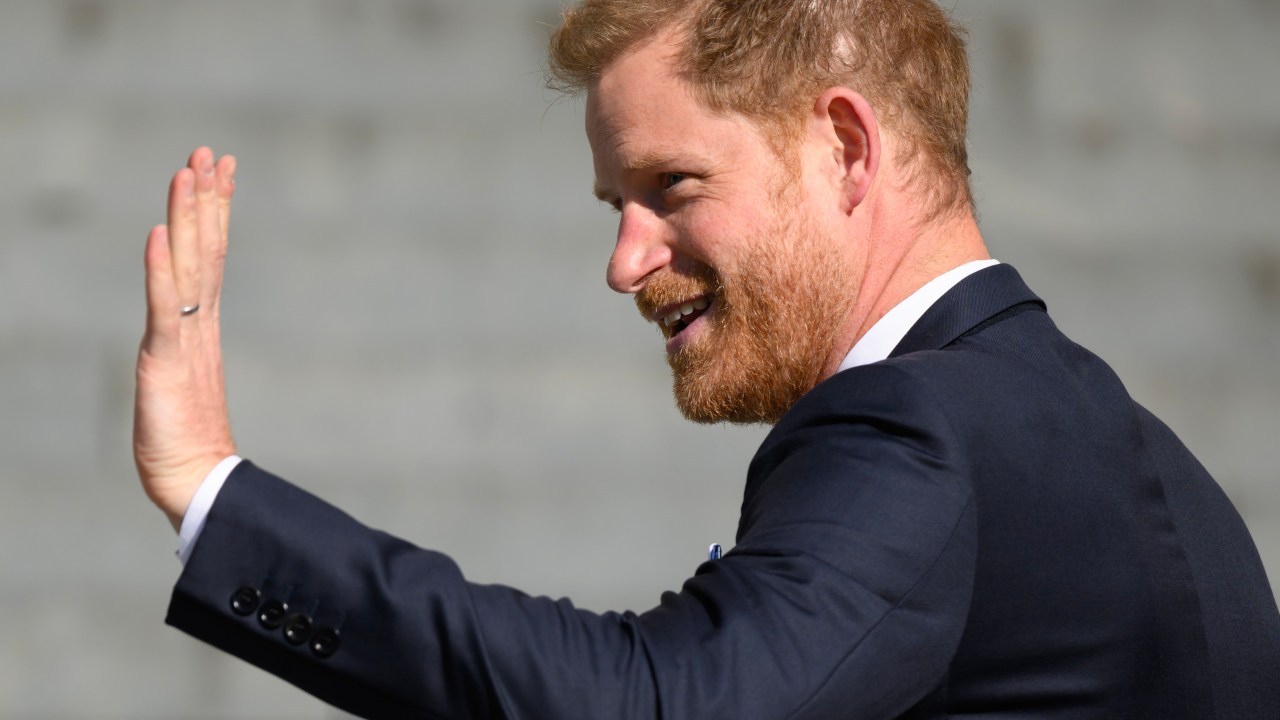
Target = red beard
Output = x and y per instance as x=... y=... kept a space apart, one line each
x=771 y=328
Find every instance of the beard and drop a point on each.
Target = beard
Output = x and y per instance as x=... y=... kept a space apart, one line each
x=770 y=331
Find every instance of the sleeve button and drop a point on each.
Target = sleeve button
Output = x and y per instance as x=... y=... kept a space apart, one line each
x=245 y=600
x=297 y=628
x=325 y=642
x=272 y=614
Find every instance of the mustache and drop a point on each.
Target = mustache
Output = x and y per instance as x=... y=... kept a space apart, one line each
x=670 y=287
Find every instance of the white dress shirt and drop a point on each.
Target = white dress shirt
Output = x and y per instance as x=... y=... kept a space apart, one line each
x=889 y=330
x=875 y=346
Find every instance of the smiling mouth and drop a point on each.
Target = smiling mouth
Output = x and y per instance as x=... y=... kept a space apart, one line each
x=681 y=316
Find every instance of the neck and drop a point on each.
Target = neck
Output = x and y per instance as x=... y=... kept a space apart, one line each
x=902 y=258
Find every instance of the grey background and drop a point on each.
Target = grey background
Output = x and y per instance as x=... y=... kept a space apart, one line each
x=416 y=323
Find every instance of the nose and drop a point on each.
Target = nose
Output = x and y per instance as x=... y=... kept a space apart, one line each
x=641 y=249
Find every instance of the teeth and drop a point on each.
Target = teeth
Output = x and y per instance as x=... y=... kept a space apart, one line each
x=686 y=309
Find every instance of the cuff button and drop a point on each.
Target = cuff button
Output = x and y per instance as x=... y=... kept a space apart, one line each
x=272 y=614
x=297 y=629
x=245 y=600
x=325 y=642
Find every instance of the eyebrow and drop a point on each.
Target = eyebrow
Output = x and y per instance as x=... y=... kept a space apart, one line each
x=644 y=162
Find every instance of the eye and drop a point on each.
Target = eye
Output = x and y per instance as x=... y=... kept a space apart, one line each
x=671 y=179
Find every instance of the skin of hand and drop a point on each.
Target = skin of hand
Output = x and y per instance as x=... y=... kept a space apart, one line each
x=180 y=424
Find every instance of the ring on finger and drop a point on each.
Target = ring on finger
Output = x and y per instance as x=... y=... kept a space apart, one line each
x=189 y=309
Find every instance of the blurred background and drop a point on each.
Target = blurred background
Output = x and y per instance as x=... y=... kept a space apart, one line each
x=416 y=322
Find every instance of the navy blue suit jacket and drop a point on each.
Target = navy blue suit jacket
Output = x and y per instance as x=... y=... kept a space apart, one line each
x=984 y=525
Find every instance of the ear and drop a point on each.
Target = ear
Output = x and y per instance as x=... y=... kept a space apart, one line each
x=846 y=126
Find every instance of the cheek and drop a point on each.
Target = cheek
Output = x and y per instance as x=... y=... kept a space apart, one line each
x=726 y=237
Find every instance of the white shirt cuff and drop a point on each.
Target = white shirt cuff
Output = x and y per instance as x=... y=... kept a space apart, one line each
x=201 y=502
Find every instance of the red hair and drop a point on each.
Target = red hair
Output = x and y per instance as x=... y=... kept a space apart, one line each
x=770 y=59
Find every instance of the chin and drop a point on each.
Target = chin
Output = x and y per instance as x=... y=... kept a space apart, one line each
x=743 y=399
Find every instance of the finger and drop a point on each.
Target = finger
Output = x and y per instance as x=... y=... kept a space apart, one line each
x=162 y=295
x=208 y=231
x=183 y=237
x=224 y=187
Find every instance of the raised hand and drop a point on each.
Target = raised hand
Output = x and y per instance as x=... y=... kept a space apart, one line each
x=180 y=424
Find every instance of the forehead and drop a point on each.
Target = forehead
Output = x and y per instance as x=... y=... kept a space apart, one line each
x=641 y=112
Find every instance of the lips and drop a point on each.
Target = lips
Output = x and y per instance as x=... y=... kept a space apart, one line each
x=673 y=319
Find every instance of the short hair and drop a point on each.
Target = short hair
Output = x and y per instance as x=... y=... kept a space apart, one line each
x=768 y=60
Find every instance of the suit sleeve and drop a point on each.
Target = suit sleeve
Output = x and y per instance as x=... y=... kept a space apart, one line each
x=845 y=595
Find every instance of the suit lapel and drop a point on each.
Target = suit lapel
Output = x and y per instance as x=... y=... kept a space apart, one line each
x=984 y=297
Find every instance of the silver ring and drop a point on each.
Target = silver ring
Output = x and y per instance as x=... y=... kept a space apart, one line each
x=189 y=309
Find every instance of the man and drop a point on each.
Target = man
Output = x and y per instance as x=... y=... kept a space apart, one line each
x=958 y=511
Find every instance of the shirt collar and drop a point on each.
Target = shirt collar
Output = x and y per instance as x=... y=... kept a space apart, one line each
x=889 y=330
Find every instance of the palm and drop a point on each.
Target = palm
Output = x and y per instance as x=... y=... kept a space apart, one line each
x=181 y=428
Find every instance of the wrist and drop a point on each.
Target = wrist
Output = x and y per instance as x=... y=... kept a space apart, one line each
x=173 y=490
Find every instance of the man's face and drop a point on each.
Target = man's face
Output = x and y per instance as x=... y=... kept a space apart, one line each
x=718 y=241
